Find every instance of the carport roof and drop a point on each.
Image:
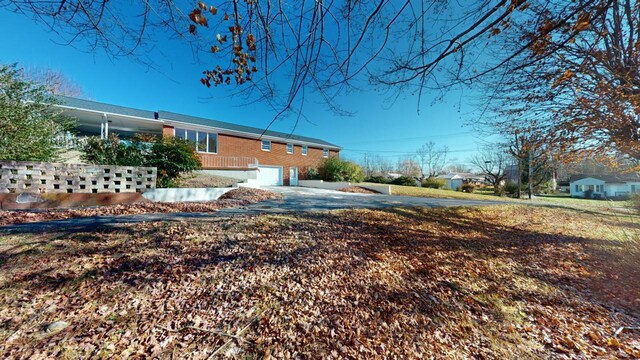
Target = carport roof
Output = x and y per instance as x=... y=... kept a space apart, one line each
x=75 y=103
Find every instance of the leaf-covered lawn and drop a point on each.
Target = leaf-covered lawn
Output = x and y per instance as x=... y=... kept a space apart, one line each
x=566 y=201
x=493 y=282
x=234 y=198
x=444 y=194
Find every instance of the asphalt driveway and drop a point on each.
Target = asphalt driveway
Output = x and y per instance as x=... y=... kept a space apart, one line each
x=309 y=199
x=296 y=199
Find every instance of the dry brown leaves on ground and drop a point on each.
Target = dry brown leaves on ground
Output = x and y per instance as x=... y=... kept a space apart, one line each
x=205 y=181
x=358 y=190
x=250 y=195
x=236 y=197
x=499 y=282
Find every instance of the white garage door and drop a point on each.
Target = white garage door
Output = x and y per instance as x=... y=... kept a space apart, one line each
x=269 y=175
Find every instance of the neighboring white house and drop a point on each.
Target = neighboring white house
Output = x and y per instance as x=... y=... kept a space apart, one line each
x=454 y=181
x=602 y=186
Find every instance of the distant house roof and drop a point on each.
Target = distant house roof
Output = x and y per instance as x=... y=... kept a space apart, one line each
x=607 y=178
x=75 y=103
x=459 y=176
x=448 y=176
x=166 y=115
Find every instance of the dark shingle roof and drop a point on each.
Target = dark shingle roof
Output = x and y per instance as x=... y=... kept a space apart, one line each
x=166 y=115
x=102 y=107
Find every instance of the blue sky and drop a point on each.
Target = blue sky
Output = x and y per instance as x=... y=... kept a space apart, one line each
x=377 y=126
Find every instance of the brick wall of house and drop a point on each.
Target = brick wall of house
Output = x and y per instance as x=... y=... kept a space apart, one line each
x=229 y=145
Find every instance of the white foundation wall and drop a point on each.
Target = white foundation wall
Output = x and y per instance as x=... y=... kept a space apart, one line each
x=185 y=194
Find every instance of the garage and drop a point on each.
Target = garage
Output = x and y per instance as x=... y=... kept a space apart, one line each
x=269 y=175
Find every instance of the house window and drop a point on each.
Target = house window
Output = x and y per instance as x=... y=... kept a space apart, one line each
x=577 y=188
x=212 y=143
x=266 y=145
x=634 y=188
x=289 y=148
x=325 y=152
x=305 y=150
x=203 y=141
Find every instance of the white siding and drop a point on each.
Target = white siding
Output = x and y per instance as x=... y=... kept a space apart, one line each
x=577 y=188
x=617 y=189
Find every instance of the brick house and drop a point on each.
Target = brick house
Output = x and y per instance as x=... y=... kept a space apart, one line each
x=243 y=152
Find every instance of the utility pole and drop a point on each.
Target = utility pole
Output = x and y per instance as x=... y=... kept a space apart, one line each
x=530 y=171
x=366 y=166
x=519 y=157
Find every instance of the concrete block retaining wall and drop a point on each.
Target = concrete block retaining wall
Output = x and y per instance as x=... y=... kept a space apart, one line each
x=18 y=177
x=319 y=184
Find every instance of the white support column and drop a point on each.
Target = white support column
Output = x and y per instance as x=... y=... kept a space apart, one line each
x=106 y=126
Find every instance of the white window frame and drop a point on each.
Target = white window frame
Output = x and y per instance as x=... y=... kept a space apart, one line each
x=325 y=153
x=292 y=148
x=305 y=150
x=262 y=145
x=197 y=140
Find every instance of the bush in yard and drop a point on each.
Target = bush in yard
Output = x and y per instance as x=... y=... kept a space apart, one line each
x=353 y=172
x=546 y=188
x=113 y=151
x=313 y=174
x=172 y=156
x=404 y=181
x=29 y=125
x=434 y=183
x=588 y=194
x=331 y=169
x=510 y=188
x=335 y=169
x=377 y=179
x=467 y=188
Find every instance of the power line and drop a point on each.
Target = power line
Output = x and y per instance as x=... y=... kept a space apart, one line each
x=401 y=152
x=409 y=139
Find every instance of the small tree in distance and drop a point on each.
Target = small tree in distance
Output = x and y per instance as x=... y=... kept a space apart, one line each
x=408 y=167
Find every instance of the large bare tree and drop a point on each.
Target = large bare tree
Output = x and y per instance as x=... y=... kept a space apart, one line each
x=579 y=86
x=491 y=161
x=431 y=159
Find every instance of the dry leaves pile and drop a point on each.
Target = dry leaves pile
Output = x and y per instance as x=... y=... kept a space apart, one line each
x=250 y=195
x=236 y=197
x=205 y=181
x=358 y=190
x=499 y=282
